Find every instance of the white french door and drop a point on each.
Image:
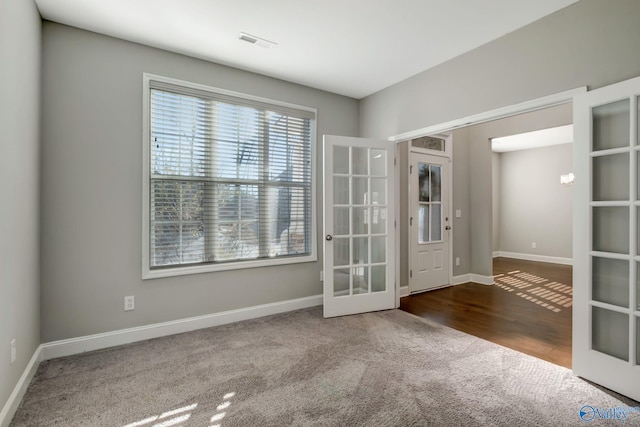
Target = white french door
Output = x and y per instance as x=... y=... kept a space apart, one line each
x=359 y=233
x=429 y=222
x=606 y=277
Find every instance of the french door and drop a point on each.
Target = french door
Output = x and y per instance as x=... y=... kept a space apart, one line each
x=359 y=230
x=606 y=278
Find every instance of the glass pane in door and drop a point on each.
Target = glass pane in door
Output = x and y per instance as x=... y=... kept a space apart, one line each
x=610 y=281
x=611 y=177
x=436 y=222
x=423 y=182
x=610 y=333
x=423 y=224
x=611 y=229
x=436 y=183
x=611 y=125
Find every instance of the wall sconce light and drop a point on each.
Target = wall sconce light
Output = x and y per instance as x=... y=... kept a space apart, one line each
x=567 y=179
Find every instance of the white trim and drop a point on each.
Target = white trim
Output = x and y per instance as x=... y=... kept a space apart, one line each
x=463 y=278
x=532 y=257
x=482 y=280
x=496 y=254
x=147 y=272
x=20 y=389
x=125 y=336
x=404 y=291
x=510 y=110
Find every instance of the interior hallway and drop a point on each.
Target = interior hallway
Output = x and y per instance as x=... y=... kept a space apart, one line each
x=528 y=309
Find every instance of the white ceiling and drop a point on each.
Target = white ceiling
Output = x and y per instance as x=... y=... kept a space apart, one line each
x=540 y=138
x=349 y=47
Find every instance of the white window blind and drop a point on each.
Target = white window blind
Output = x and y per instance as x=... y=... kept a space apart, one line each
x=230 y=179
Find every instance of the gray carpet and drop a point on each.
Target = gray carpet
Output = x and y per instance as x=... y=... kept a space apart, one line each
x=387 y=368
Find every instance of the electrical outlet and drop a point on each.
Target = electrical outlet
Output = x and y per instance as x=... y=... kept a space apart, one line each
x=13 y=350
x=129 y=303
x=533 y=245
x=457 y=260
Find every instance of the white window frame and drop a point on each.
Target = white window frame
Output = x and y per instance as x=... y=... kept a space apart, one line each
x=147 y=271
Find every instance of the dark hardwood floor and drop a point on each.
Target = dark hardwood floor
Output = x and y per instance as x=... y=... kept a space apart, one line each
x=528 y=309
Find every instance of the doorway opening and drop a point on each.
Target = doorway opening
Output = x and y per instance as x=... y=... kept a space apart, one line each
x=529 y=306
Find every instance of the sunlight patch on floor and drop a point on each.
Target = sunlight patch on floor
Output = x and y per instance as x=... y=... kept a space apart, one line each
x=551 y=295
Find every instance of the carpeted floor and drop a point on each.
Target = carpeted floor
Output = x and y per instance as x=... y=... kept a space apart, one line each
x=387 y=368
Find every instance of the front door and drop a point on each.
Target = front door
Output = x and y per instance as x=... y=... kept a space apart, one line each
x=429 y=222
x=606 y=274
x=359 y=218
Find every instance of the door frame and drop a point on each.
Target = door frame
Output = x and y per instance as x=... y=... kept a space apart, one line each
x=448 y=137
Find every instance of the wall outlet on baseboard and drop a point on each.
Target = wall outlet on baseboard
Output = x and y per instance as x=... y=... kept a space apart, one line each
x=533 y=245
x=457 y=260
x=129 y=303
x=13 y=350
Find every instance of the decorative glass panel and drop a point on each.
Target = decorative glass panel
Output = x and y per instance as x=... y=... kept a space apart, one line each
x=611 y=125
x=340 y=159
x=378 y=249
x=611 y=177
x=611 y=229
x=341 y=221
x=360 y=250
x=610 y=282
x=429 y=143
x=610 y=333
x=360 y=191
x=360 y=280
x=378 y=273
x=360 y=161
x=378 y=162
x=340 y=190
x=340 y=282
x=341 y=251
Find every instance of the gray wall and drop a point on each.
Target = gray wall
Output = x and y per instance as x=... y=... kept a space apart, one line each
x=461 y=201
x=496 y=177
x=19 y=188
x=534 y=206
x=92 y=188
x=573 y=47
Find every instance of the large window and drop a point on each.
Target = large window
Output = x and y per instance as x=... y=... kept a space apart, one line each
x=228 y=180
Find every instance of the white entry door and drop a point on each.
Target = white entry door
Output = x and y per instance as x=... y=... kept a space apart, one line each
x=606 y=275
x=429 y=223
x=359 y=234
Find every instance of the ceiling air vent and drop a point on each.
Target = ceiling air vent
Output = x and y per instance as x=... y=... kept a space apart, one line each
x=256 y=40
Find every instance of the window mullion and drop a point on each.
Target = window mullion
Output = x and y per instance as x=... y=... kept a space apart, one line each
x=263 y=190
x=211 y=218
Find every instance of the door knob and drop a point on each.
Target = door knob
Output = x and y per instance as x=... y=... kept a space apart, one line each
x=329 y=237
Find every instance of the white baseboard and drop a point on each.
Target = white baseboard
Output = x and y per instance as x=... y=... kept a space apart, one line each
x=404 y=291
x=463 y=278
x=483 y=280
x=538 y=258
x=71 y=346
x=496 y=254
x=20 y=389
x=474 y=278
